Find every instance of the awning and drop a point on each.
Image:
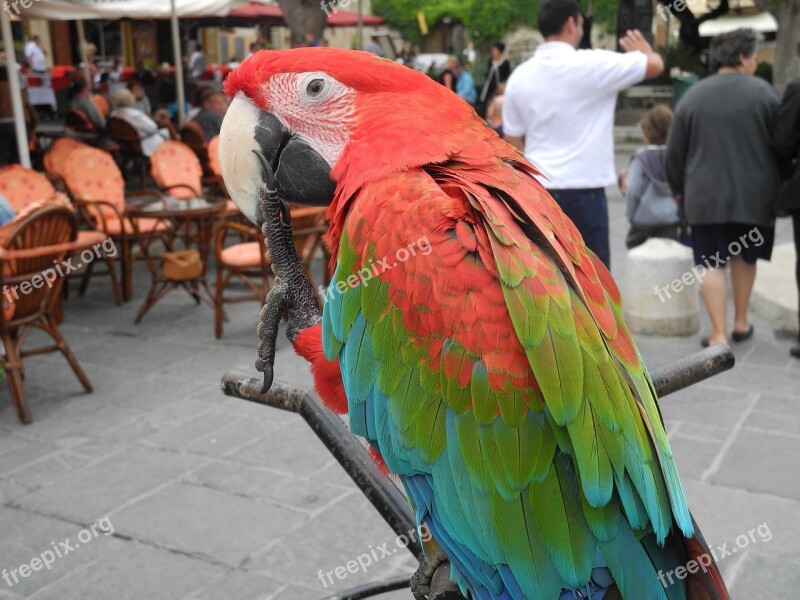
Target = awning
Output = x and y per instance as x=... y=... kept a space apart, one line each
x=337 y=18
x=63 y=10
x=761 y=22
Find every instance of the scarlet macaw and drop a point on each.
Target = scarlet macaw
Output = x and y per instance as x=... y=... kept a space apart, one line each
x=494 y=374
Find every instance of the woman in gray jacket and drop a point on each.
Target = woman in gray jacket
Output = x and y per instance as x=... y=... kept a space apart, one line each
x=720 y=161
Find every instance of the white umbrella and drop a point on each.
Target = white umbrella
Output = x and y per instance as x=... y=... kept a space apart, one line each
x=16 y=92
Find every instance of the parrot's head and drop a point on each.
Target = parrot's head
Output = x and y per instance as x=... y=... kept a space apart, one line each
x=329 y=120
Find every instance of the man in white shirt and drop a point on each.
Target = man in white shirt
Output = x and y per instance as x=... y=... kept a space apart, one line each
x=559 y=110
x=35 y=55
x=197 y=62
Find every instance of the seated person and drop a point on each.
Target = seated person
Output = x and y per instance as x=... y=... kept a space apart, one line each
x=142 y=101
x=147 y=128
x=213 y=106
x=81 y=99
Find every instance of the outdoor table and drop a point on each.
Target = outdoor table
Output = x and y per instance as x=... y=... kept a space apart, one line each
x=190 y=222
x=41 y=94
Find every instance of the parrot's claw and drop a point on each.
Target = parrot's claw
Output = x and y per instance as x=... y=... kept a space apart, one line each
x=432 y=582
x=292 y=290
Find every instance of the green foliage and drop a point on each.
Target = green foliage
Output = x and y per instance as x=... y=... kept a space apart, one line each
x=764 y=70
x=486 y=22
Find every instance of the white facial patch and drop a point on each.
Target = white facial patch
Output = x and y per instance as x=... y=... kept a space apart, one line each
x=240 y=167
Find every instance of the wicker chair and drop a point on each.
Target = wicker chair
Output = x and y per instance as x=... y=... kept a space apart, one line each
x=33 y=246
x=130 y=146
x=97 y=188
x=248 y=262
x=27 y=190
x=192 y=135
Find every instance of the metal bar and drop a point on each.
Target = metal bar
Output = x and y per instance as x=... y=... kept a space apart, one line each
x=692 y=369
x=343 y=445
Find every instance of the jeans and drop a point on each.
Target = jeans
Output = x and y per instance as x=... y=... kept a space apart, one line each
x=796 y=227
x=588 y=209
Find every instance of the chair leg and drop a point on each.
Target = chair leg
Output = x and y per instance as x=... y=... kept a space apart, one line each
x=85 y=279
x=218 y=289
x=127 y=270
x=112 y=273
x=12 y=365
x=65 y=350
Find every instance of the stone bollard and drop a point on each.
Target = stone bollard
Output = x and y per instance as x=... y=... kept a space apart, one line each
x=660 y=292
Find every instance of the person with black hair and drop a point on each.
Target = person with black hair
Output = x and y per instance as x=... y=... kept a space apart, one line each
x=719 y=159
x=498 y=71
x=559 y=109
x=786 y=143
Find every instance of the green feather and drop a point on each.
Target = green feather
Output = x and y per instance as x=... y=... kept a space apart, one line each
x=590 y=457
x=559 y=521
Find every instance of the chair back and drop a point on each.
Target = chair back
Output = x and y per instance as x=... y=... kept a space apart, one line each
x=176 y=170
x=22 y=186
x=76 y=120
x=29 y=278
x=124 y=134
x=56 y=156
x=192 y=135
x=308 y=227
x=101 y=102
x=91 y=174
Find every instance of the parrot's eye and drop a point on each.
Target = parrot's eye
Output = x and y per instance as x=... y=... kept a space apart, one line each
x=315 y=87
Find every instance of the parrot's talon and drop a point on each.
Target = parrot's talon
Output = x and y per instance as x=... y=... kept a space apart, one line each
x=268 y=376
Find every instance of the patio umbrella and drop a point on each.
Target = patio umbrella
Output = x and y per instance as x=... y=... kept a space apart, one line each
x=16 y=92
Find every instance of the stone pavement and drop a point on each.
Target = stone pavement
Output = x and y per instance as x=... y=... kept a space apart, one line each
x=214 y=498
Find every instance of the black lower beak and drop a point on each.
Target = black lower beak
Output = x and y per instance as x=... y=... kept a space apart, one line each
x=302 y=175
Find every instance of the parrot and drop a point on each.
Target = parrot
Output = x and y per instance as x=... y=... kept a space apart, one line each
x=470 y=336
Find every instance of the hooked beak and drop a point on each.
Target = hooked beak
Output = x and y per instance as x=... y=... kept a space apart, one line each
x=302 y=176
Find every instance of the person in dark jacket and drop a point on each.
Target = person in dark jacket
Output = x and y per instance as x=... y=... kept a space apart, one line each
x=498 y=71
x=786 y=142
x=649 y=203
x=719 y=159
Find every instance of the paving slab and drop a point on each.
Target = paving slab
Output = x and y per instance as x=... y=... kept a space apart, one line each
x=204 y=522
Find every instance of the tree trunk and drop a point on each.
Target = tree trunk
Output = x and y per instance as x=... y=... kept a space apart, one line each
x=303 y=16
x=787 y=63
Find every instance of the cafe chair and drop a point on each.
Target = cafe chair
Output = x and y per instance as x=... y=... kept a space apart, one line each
x=55 y=157
x=26 y=190
x=248 y=262
x=97 y=189
x=35 y=243
x=192 y=135
x=130 y=146
x=176 y=170
x=79 y=126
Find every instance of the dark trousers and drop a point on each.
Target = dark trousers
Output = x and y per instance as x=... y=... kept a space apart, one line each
x=588 y=209
x=796 y=227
